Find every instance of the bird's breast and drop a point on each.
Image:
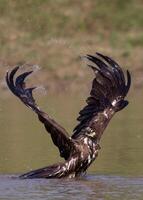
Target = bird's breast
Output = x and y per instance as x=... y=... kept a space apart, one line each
x=88 y=151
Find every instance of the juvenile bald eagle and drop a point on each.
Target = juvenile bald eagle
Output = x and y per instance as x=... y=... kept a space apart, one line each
x=109 y=88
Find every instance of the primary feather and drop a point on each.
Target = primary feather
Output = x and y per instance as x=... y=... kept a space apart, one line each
x=107 y=94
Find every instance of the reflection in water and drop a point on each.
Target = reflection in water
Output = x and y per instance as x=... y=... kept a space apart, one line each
x=25 y=145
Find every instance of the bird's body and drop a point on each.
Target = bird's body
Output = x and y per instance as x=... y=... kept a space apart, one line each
x=82 y=155
x=109 y=89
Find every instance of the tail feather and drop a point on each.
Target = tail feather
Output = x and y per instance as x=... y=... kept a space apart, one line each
x=46 y=172
x=58 y=170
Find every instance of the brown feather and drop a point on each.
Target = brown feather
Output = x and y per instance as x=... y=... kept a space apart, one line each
x=106 y=97
x=109 y=88
x=58 y=134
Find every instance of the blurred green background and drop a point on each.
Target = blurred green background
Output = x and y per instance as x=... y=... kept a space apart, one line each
x=53 y=35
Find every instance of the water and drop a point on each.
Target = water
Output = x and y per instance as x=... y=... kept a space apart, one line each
x=91 y=187
x=24 y=145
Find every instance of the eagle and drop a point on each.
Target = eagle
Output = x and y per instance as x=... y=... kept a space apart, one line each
x=107 y=96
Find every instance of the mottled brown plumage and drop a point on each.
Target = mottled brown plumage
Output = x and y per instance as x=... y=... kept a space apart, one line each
x=109 y=88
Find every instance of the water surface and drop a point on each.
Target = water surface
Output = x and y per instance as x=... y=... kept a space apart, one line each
x=90 y=187
x=24 y=145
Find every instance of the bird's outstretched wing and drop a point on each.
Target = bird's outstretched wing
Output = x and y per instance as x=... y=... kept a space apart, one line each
x=109 y=89
x=58 y=134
